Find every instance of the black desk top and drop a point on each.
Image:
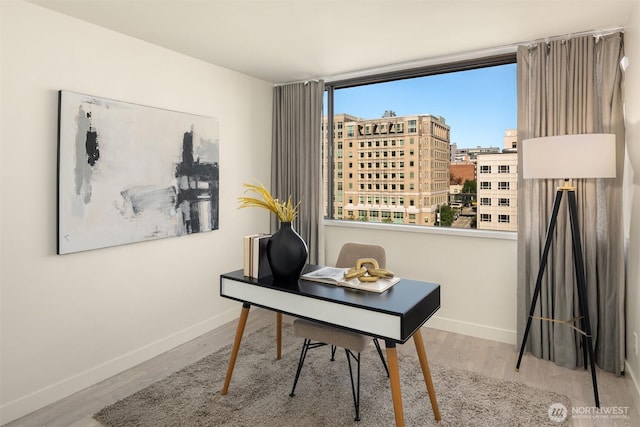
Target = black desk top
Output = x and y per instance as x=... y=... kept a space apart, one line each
x=412 y=300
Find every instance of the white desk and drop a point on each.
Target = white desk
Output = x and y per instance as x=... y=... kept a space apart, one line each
x=394 y=316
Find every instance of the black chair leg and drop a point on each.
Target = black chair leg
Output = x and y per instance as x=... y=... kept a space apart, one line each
x=384 y=362
x=355 y=390
x=333 y=352
x=355 y=384
x=303 y=354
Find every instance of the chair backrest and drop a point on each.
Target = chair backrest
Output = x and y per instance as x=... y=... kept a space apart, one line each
x=351 y=252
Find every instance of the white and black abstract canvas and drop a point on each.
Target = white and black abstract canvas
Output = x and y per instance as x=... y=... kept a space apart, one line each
x=129 y=173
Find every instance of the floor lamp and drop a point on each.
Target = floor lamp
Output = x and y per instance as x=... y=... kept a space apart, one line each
x=566 y=157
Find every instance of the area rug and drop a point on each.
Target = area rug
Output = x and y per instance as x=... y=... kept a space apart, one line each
x=259 y=393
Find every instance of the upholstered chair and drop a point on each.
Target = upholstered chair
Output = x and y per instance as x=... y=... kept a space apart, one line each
x=317 y=334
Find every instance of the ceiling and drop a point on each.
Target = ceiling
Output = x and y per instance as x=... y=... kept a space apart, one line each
x=293 y=40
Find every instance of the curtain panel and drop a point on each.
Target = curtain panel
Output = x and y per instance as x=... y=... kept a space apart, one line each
x=566 y=87
x=296 y=157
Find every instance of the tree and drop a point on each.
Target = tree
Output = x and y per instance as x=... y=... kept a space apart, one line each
x=470 y=186
x=447 y=214
x=469 y=190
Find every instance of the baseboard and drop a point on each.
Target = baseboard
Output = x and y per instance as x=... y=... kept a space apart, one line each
x=634 y=384
x=473 y=329
x=39 y=399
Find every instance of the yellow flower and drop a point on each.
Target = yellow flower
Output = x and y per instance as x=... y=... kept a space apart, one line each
x=286 y=211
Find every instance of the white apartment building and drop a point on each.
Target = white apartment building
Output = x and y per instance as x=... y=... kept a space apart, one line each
x=497 y=191
x=510 y=139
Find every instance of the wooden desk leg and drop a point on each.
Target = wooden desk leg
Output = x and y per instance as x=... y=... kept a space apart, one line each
x=426 y=372
x=278 y=336
x=236 y=346
x=394 y=378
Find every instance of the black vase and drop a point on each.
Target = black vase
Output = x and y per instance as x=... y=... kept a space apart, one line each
x=287 y=254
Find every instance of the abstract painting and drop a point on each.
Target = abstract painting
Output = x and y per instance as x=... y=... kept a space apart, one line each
x=130 y=173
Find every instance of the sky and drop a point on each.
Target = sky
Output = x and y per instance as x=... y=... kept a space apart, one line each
x=478 y=105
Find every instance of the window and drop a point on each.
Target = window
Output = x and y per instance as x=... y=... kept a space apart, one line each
x=504 y=202
x=408 y=156
x=503 y=185
x=503 y=218
x=485 y=217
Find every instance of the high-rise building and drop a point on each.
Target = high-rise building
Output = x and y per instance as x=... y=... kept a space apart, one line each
x=392 y=169
x=497 y=181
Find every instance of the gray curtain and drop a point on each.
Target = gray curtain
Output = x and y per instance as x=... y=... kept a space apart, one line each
x=572 y=87
x=296 y=157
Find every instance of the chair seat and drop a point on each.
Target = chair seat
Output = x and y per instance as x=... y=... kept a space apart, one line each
x=331 y=335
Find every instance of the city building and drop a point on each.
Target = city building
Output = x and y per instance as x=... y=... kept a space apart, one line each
x=462 y=171
x=497 y=191
x=510 y=139
x=470 y=154
x=392 y=169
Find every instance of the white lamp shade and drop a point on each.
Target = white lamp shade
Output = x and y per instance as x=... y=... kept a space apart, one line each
x=569 y=156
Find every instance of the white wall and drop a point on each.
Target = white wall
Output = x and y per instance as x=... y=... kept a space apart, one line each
x=632 y=108
x=475 y=270
x=70 y=321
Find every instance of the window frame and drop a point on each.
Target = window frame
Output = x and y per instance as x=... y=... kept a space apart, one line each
x=423 y=71
x=504 y=218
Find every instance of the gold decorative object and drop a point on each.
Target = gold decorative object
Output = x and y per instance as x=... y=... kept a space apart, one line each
x=367 y=274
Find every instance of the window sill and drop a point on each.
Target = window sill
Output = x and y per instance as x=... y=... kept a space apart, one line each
x=403 y=228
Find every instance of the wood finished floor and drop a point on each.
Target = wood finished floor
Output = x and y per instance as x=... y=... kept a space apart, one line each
x=490 y=358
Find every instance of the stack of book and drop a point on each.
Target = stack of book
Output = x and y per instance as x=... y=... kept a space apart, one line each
x=256 y=264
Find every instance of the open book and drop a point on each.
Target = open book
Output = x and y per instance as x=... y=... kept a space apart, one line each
x=335 y=276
